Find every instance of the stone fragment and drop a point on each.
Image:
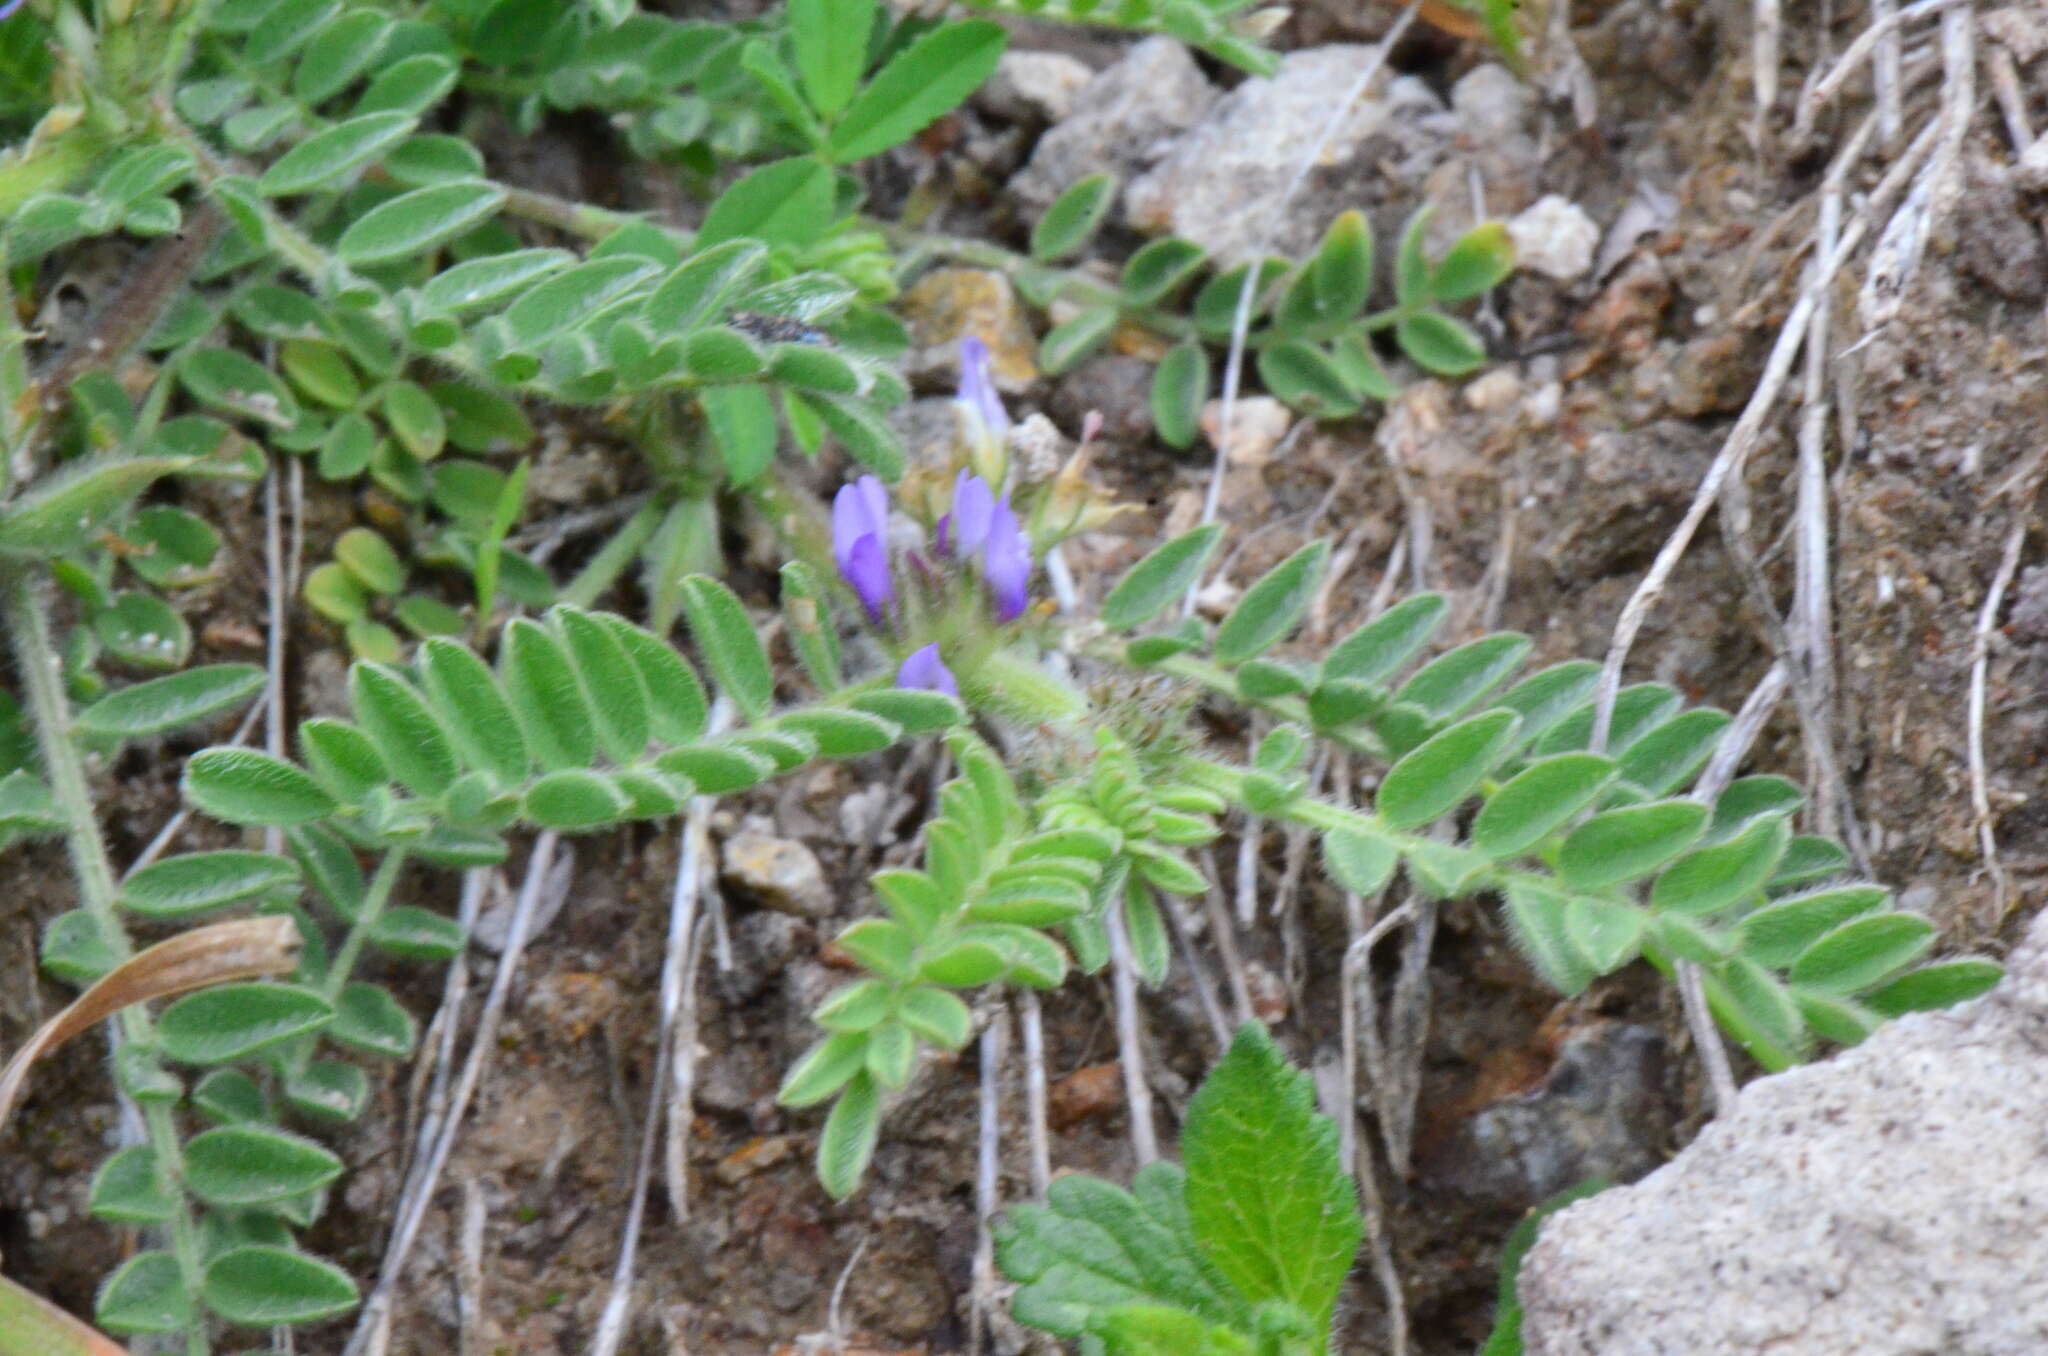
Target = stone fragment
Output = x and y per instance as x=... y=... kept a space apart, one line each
x=949 y=304
x=779 y=872
x=1085 y=1094
x=1889 y=1201
x=1039 y=86
x=1217 y=184
x=1256 y=427
x=1119 y=120
x=1555 y=238
x=1495 y=390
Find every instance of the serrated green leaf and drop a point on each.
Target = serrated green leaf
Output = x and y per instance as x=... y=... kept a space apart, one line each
x=1268 y=1199
x=1538 y=800
x=1272 y=606
x=831 y=48
x=789 y=202
x=163 y=704
x=915 y=87
x=1435 y=778
x=1073 y=217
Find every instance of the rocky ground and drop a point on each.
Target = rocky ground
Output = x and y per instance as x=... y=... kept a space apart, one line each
x=1664 y=246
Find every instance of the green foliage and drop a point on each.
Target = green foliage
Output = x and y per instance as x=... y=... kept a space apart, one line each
x=1243 y=1251
x=1506 y=1337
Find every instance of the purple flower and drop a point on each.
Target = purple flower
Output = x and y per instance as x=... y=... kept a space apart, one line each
x=978 y=389
x=860 y=542
x=1007 y=562
x=924 y=669
x=963 y=530
x=9 y=8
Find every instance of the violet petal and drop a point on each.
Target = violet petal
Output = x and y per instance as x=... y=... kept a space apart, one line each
x=1007 y=562
x=924 y=669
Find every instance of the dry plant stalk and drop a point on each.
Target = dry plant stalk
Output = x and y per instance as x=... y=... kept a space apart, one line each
x=218 y=953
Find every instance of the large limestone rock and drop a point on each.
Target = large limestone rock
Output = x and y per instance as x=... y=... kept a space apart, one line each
x=1893 y=1200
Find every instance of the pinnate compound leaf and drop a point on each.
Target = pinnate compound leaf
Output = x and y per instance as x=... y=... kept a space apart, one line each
x=1160 y=579
x=1628 y=843
x=163 y=704
x=238 y=1165
x=1861 y=952
x=1537 y=800
x=730 y=644
x=1093 y=1247
x=1435 y=778
x=418 y=222
x=1073 y=217
x=242 y=786
x=259 y=1285
x=179 y=887
x=1268 y=1199
x=919 y=84
x=220 y=1024
x=1272 y=606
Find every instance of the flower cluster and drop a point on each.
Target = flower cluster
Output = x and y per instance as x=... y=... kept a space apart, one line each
x=979 y=530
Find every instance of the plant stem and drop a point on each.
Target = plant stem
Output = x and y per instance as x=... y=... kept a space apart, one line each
x=50 y=712
x=1216 y=679
x=378 y=896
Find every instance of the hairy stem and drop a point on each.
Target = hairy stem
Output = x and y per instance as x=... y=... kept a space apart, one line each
x=42 y=675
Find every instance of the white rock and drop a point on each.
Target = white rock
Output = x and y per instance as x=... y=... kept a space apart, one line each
x=1892 y=1201
x=1041 y=85
x=1555 y=238
x=1492 y=103
x=1119 y=121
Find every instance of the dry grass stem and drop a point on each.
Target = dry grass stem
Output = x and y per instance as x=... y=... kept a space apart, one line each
x=1130 y=1040
x=1980 y=663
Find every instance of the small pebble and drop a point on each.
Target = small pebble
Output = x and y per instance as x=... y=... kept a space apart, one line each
x=779 y=872
x=1555 y=238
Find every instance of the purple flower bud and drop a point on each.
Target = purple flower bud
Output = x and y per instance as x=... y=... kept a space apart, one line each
x=1007 y=562
x=978 y=389
x=924 y=669
x=9 y=8
x=966 y=527
x=860 y=537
